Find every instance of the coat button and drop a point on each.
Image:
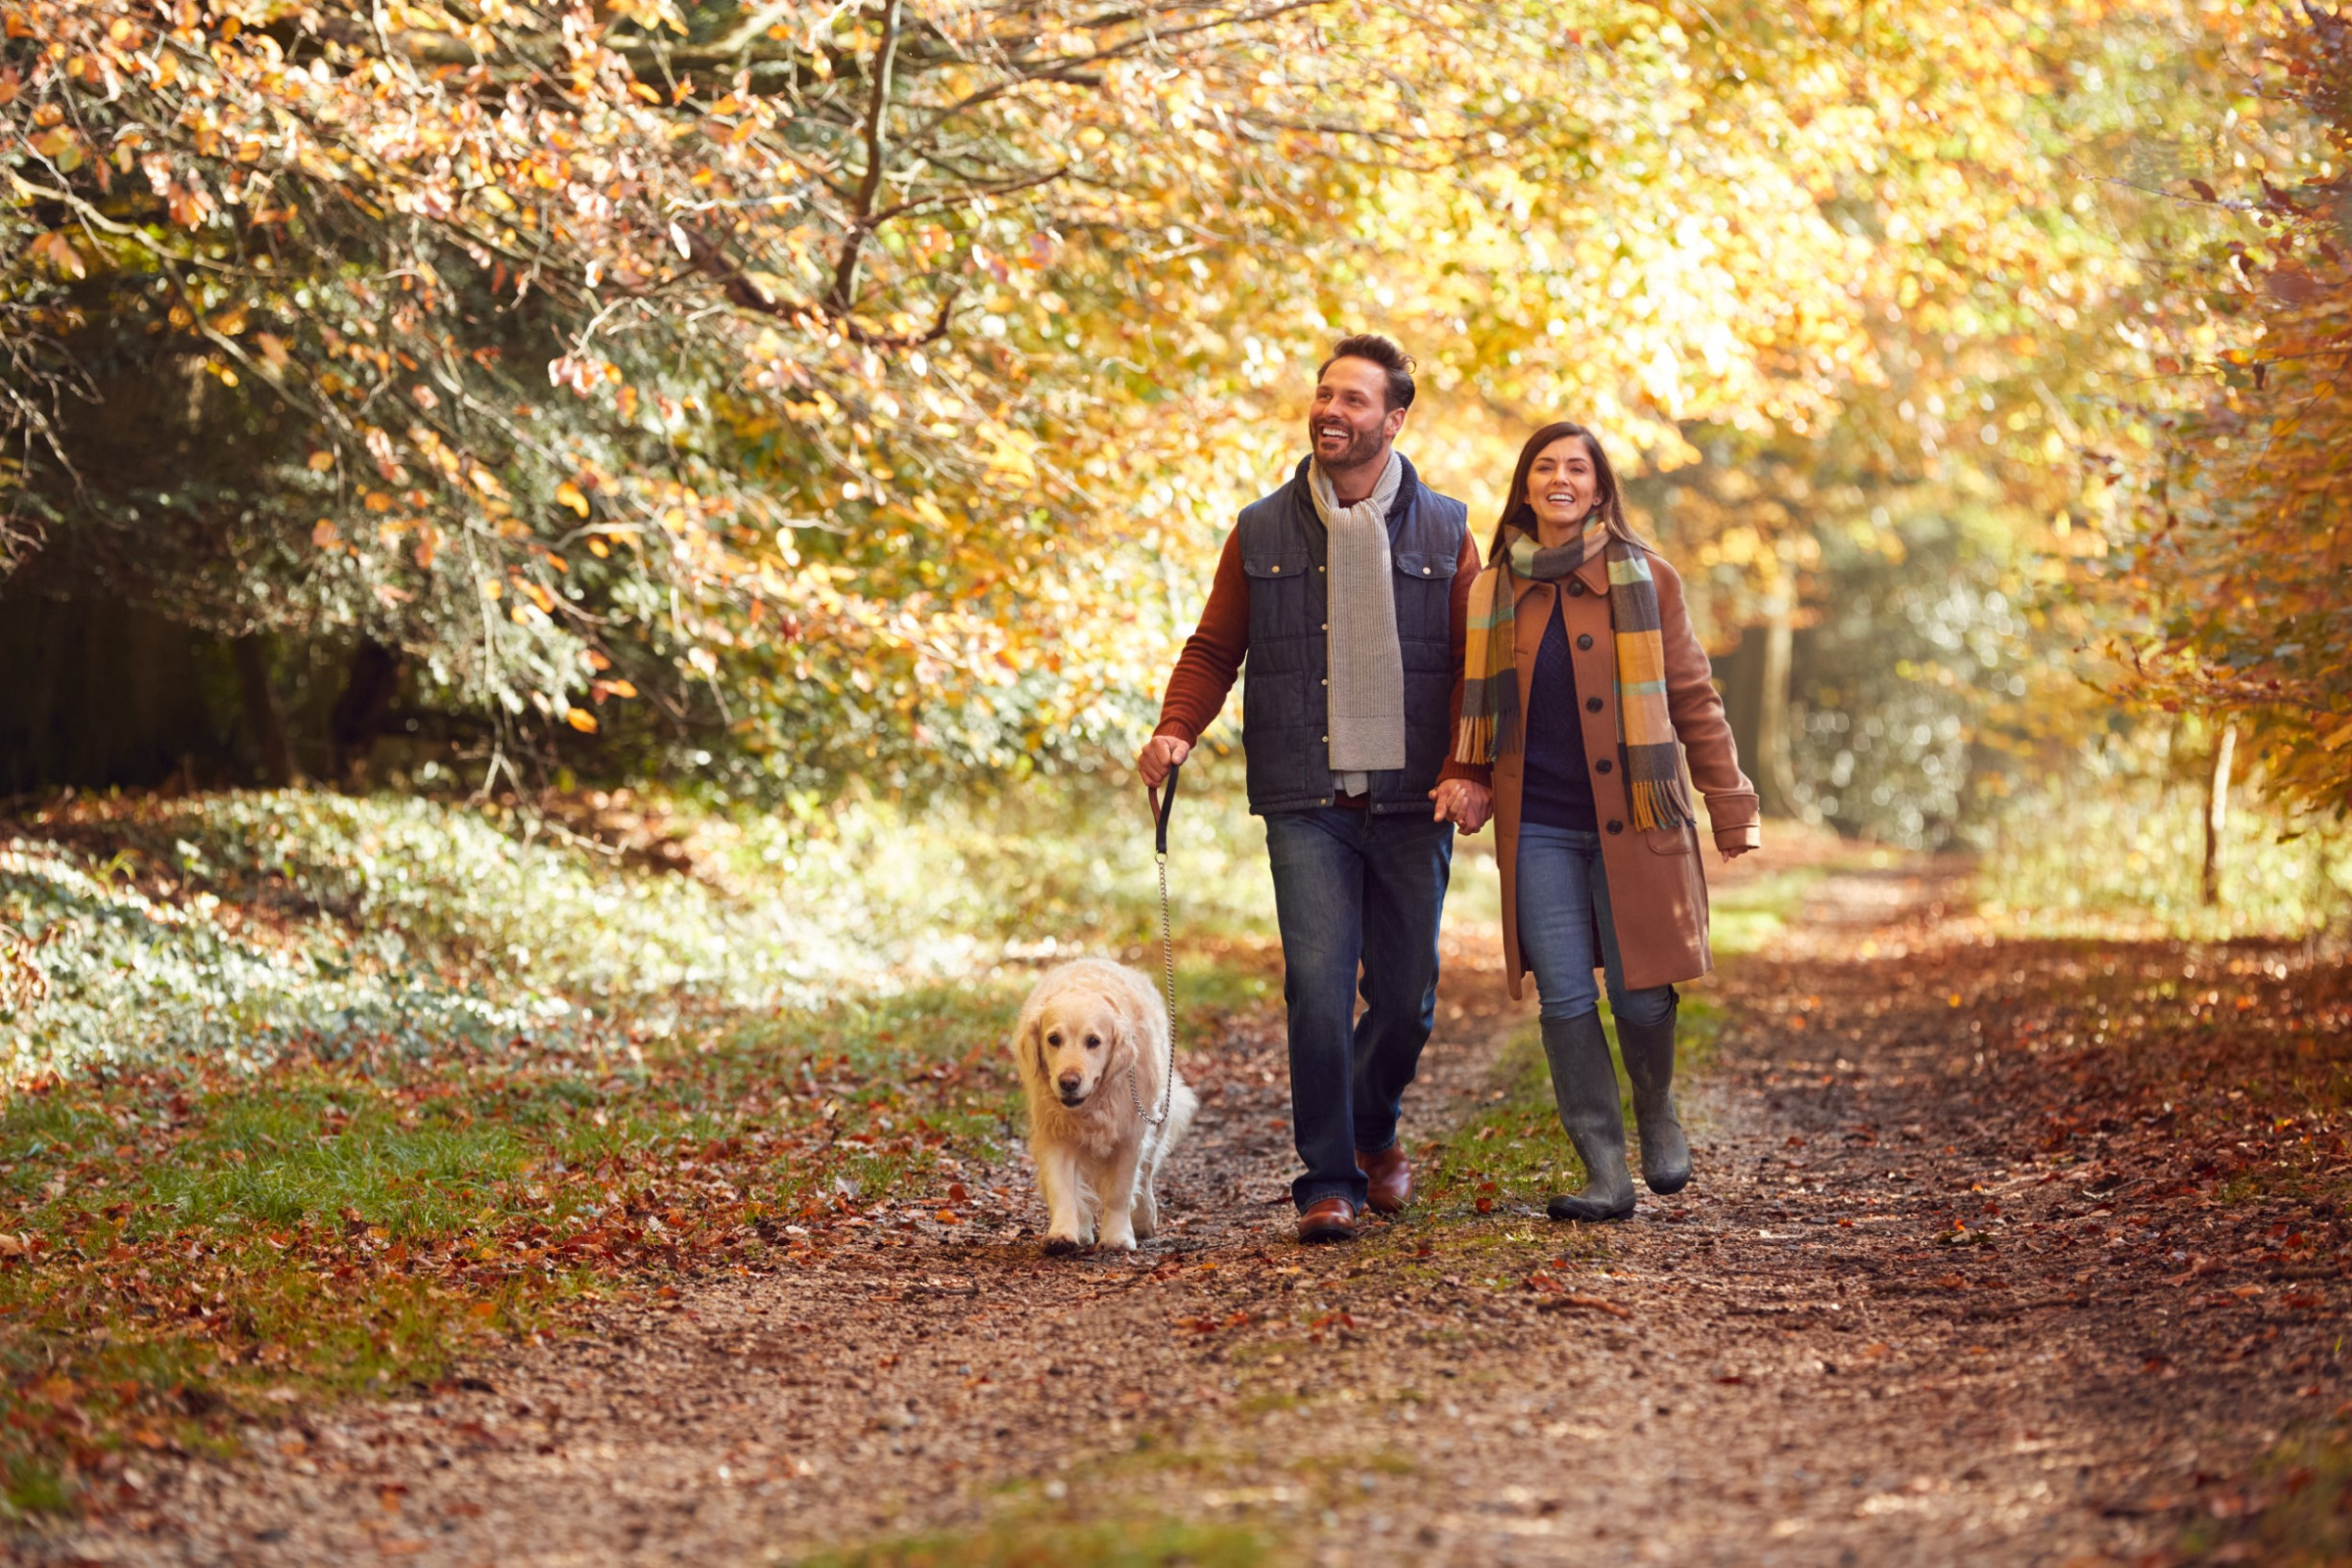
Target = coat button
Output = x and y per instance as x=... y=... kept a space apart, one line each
x=1276 y=568
x=1584 y=642
x=1592 y=704
x=1602 y=766
x=1326 y=682
x=1576 y=587
x=1326 y=625
x=1616 y=827
x=1425 y=571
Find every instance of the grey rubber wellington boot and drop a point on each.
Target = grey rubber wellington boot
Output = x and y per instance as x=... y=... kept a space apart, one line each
x=1584 y=1084
x=1649 y=1057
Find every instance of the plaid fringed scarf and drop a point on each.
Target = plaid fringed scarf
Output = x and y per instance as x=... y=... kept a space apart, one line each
x=1490 y=719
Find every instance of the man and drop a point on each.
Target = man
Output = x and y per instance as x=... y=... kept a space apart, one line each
x=1345 y=593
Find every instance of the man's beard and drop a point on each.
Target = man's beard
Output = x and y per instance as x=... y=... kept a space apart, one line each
x=1361 y=448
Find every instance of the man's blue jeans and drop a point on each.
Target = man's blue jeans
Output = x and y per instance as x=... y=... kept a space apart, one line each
x=1352 y=888
x=1563 y=896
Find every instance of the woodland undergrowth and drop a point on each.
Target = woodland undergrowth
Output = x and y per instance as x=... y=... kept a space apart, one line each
x=315 y=1095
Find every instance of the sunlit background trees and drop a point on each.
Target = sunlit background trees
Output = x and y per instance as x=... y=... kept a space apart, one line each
x=770 y=400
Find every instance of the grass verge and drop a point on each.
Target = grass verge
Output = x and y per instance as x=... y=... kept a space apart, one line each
x=2297 y=1513
x=1035 y=1543
x=184 y=1251
x=186 y=1248
x=1511 y=1154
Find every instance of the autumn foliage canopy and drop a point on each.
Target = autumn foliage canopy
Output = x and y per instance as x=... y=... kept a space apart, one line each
x=782 y=387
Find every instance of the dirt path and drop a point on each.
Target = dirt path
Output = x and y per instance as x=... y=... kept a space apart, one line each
x=1887 y=1325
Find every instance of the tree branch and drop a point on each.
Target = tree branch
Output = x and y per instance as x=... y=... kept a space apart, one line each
x=878 y=150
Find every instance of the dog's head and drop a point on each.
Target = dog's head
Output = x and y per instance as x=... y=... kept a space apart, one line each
x=1078 y=1037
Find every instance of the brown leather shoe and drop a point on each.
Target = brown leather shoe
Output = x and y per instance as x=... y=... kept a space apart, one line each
x=1327 y=1219
x=1391 y=1178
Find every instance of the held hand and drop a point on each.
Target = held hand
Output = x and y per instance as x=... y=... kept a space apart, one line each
x=1466 y=804
x=1160 y=754
x=1735 y=852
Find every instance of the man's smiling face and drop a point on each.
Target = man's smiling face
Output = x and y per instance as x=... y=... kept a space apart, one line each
x=1351 y=423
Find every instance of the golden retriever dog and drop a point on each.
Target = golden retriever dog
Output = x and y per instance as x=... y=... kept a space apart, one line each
x=1092 y=1047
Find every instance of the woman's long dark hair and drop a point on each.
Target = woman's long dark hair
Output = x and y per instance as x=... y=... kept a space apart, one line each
x=1518 y=514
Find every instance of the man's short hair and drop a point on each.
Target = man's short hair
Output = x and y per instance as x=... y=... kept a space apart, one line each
x=1383 y=353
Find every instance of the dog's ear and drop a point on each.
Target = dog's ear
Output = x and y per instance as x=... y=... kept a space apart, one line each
x=1034 y=1042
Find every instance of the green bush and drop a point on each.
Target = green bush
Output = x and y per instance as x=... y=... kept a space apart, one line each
x=2132 y=848
x=233 y=926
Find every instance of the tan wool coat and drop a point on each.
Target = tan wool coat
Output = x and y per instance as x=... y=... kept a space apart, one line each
x=1658 y=888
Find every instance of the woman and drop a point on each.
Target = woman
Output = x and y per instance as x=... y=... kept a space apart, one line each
x=1582 y=677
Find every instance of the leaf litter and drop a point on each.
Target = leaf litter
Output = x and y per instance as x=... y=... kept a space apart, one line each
x=2014 y=1250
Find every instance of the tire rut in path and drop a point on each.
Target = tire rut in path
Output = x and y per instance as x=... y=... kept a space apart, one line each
x=1780 y=1364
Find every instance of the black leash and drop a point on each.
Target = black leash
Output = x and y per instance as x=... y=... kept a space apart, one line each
x=1163 y=806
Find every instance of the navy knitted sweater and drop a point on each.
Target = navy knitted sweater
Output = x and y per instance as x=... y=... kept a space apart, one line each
x=1558 y=789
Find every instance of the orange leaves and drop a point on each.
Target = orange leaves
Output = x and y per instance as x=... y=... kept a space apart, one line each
x=584 y=375
x=57 y=253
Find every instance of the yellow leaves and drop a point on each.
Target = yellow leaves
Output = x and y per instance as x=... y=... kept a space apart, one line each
x=62 y=147
x=1012 y=454
x=581 y=719
x=650 y=14
x=567 y=494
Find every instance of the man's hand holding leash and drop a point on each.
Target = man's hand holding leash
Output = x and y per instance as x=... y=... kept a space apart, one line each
x=1160 y=754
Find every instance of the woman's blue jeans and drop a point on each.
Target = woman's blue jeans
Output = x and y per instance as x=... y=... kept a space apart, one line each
x=1357 y=896
x=1563 y=894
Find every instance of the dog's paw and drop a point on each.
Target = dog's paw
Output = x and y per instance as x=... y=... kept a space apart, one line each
x=1119 y=1240
x=1062 y=1246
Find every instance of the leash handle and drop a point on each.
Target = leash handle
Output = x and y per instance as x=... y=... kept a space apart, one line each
x=1163 y=805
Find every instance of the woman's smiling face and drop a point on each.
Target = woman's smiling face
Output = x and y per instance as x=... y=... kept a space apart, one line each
x=1562 y=486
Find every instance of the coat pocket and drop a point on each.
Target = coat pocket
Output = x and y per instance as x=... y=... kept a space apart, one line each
x=1672 y=840
x=1424 y=566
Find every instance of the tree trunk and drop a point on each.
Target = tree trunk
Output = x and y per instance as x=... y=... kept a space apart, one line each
x=262 y=721
x=358 y=716
x=2217 y=812
x=1775 y=772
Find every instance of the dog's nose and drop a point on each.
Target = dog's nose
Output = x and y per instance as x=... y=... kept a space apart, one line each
x=1069 y=1083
